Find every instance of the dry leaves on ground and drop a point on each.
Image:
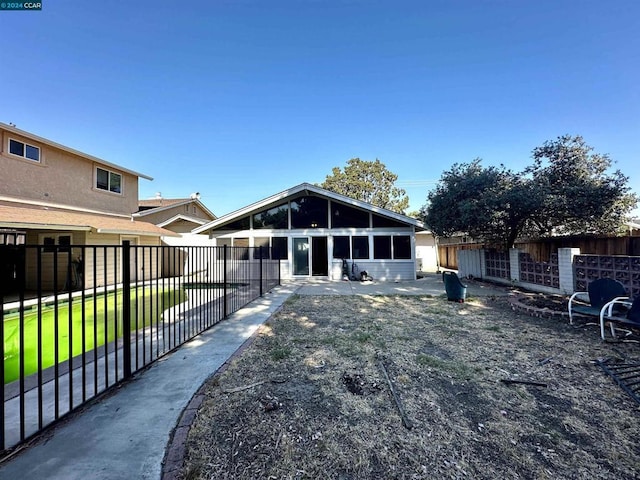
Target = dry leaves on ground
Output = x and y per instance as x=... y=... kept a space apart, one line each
x=309 y=399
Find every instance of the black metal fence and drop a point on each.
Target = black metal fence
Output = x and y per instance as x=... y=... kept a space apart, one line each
x=77 y=320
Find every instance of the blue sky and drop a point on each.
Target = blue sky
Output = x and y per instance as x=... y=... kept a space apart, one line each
x=241 y=99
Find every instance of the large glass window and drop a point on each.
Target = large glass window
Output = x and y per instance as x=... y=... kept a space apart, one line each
x=382 y=247
x=276 y=218
x=222 y=242
x=341 y=247
x=309 y=212
x=344 y=216
x=241 y=248
x=279 y=250
x=110 y=181
x=402 y=247
x=240 y=224
x=360 y=247
x=382 y=222
x=261 y=245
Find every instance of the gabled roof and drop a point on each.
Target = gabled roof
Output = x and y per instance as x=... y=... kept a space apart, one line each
x=156 y=205
x=186 y=218
x=37 y=217
x=306 y=188
x=36 y=138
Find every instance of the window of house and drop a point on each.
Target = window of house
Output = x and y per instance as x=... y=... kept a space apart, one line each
x=110 y=181
x=24 y=150
x=222 y=242
x=241 y=248
x=279 y=250
x=382 y=222
x=382 y=247
x=240 y=224
x=8 y=237
x=309 y=212
x=259 y=243
x=402 y=247
x=344 y=216
x=341 y=247
x=360 y=247
x=276 y=218
x=52 y=243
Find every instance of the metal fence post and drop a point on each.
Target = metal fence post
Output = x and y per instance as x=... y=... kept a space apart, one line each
x=224 y=281
x=126 y=308
x=260 y=255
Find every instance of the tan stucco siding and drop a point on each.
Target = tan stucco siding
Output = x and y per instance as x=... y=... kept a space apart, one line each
x=61 y=177
x=169 y=213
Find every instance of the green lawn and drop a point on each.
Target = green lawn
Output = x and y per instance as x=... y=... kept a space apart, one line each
x=94 y=321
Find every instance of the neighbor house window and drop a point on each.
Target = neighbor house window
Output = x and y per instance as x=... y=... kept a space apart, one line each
x=110 y=181
x=51 y=243
x=24 y=150
x=360 y=247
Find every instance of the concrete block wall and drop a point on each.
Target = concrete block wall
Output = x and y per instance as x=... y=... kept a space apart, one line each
x=472 y=263
x=565 y=264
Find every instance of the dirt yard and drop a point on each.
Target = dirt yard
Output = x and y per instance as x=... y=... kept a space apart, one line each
x=310 y=397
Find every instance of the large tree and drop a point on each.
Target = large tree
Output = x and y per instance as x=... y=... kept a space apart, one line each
x=369 y=181
x=580 y=193
x=491 y=204
x=567 y=190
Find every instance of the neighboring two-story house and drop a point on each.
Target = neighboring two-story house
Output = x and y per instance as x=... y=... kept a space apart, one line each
x=180 y=215
x=56 y=196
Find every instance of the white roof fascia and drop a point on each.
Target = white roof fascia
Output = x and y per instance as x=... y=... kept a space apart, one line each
x=310 y=188
x=36 y=138
x=153 y=210
x=182 y=217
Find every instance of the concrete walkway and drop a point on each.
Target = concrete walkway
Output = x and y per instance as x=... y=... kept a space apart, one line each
x=124 y=435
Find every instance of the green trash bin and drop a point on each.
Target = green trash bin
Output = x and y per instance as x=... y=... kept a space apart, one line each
x=456 y=290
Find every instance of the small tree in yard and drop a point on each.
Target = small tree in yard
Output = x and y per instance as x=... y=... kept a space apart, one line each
x=566 y=191
x=368 y=181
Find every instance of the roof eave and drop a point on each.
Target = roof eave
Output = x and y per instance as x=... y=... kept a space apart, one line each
x=36 y=138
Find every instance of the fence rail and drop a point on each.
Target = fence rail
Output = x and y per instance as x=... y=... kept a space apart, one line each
x=77 y=320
